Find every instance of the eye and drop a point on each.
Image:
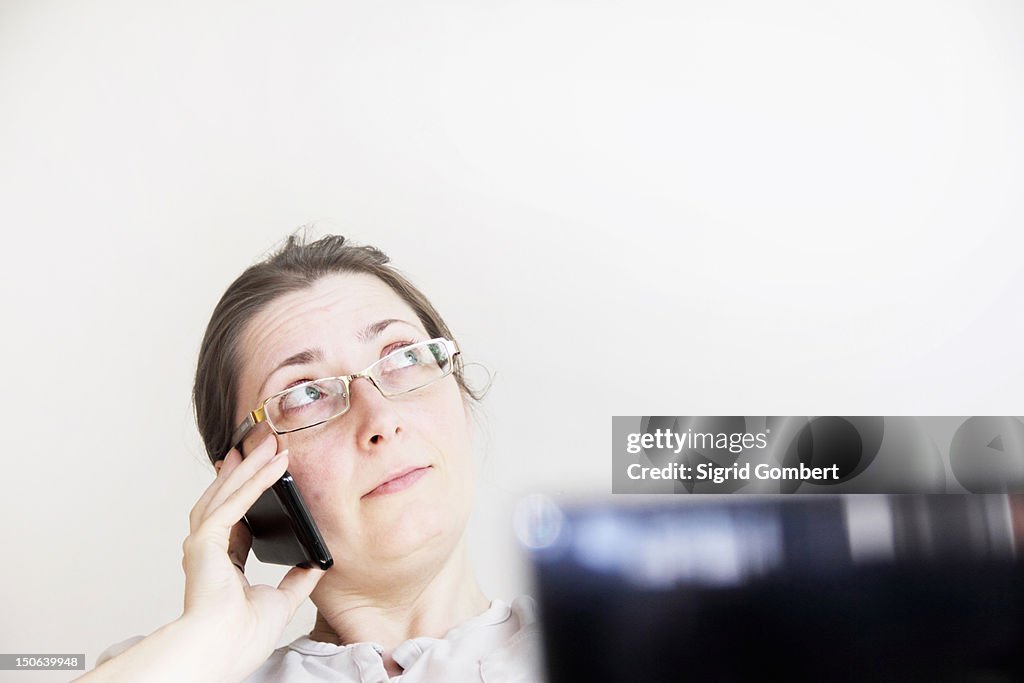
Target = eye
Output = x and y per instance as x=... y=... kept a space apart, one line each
x=391 y=348
x=302 y=396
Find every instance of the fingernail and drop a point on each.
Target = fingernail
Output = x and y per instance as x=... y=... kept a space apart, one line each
x=279 y=455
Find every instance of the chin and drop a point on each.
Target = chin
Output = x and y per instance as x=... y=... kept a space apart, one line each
x=414 y=528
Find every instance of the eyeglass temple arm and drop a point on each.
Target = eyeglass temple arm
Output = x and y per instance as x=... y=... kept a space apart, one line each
x=241 y=431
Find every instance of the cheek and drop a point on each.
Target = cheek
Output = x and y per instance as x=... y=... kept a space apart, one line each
x=322 y=476
x=455 y=443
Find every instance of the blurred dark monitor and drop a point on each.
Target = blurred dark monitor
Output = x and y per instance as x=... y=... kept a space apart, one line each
x=846 y=588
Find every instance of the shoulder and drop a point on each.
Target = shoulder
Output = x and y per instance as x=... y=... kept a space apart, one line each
x=117 y=648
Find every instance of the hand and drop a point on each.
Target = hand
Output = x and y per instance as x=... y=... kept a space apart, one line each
x=217 y=594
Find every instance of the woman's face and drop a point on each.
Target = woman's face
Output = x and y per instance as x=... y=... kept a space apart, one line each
x=342 y=322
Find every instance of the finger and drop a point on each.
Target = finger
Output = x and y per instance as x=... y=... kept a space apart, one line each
x=223 y=467
x=243 y=471
x=214 y=533
x=297 y=584
x=230 y=511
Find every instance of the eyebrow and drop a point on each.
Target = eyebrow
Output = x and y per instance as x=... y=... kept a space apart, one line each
x=317 y=355
x=374 y=330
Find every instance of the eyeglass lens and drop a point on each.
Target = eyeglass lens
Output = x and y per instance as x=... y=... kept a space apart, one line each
x=404 y=370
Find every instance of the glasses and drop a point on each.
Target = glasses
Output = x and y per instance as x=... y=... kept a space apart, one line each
x=312 y=403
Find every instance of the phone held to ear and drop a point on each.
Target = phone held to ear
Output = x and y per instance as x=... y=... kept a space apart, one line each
x=283 y=531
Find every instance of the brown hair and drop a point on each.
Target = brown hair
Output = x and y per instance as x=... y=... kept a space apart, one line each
x=295 y=266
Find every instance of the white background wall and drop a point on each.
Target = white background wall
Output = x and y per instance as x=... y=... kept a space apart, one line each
x=717 y=208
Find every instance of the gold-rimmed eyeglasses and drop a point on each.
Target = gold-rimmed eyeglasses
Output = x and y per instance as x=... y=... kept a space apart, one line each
x=314 y=402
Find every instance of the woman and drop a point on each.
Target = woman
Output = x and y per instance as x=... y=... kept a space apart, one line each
x=389 y=481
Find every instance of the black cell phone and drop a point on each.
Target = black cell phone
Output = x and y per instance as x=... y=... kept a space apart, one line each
x=283 y=531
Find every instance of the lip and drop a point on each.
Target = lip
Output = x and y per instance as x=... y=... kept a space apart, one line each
x=399 y=480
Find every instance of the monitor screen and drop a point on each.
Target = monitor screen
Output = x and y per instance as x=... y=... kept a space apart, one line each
x=811 y=588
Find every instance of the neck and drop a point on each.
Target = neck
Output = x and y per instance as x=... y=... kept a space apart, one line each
x=428 y=605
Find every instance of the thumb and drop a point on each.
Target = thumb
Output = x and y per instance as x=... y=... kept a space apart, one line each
x=297 y=584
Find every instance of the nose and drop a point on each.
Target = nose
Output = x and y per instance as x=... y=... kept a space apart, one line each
x=374 y=417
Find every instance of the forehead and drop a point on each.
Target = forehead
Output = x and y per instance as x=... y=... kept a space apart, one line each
x=329 y=315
